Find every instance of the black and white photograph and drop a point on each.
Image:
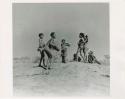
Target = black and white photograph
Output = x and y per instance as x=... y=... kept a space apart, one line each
x=61 y=49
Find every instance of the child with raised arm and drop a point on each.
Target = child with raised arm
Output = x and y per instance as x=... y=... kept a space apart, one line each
x=64 y=50
x=82 y=45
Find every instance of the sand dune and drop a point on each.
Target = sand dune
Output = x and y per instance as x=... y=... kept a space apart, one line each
x=70 y=79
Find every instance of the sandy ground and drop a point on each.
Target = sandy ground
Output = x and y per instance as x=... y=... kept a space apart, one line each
x=70 y=79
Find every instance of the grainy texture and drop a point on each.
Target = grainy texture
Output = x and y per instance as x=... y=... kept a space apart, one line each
x=67 y=20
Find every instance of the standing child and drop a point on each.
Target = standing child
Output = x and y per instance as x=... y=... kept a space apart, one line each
x=82 y=45
x=64 y=50
x=41 y=48
x=85 y=47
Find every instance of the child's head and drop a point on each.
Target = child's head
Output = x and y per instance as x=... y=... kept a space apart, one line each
x=81 y=35
x=53 y=35
x=63 y=40
x=41 y=35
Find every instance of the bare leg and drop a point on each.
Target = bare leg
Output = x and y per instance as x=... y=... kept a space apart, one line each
x=44 y=62
x=78 y=51
x=47 y=66
x=40 y=60
x=42 y=57
x=96 y=61
x=81 y=54
x=86 y=58
x=85 y=55
x=49 y=63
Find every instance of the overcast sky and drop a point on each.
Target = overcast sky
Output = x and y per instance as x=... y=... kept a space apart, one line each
x=67 y=20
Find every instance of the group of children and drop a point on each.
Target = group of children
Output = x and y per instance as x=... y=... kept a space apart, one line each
x=86 y=54
x=45 y=48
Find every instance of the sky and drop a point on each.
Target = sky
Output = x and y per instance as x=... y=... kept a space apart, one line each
x=67 y=20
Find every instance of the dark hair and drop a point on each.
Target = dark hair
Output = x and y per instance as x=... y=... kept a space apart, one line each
x=63 y=40
x=40 y=34
x=81 y=34
x=52 y=33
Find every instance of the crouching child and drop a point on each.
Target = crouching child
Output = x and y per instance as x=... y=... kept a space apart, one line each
x=50 y=46
x=92 y=58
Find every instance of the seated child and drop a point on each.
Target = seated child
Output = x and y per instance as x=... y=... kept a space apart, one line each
x=92 y=58
x=79 y=59
x=64 y=50
x=74 y=57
